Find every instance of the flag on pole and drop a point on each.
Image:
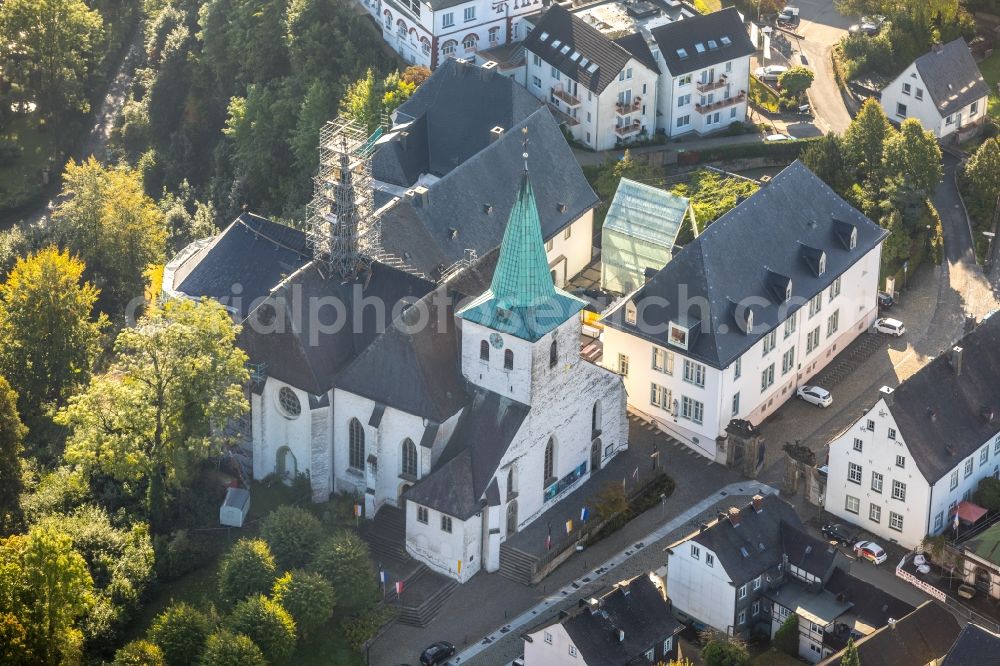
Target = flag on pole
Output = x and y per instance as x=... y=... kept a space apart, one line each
x=584 y=514
x=548 y=538
x=569 y=526
x=954 y=521
x=357 y=510
x=399 y=587
x=381 y=576
x=767 y=45
x=460 y=567
x=635 y=474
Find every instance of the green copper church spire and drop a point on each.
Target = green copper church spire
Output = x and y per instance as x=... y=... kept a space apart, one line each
x=522 y=300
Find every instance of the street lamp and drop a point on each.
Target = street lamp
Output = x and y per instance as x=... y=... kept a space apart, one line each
x=989 y=245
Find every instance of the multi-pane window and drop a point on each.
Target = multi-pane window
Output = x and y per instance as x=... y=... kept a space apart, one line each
x=742 y=618
x=508 y=359
x=446 y=523
x=548 y=466
x=870 y=425
x=877 y=482
x=769 y=341
x=738 y=370
x=892 y=433
x=767 y=377
x=954 y=480
x=649 y=655
x=447 y=20
x=939 y=521
x=631 y=313
x=548 y=638
x=996 y=446
x=875 y=513
x=854 y=472
x=736 y=403
x=984 y=455
x=901 y=461
x=356 y=444
x=858 y=444
x=812 y=341
x=668 y=645
x=968 y=467
x=660 y=396
x=895 y=521
x=572 y=650
x=409 y=457
x=694 y=373
x=756 y=583
x=422 y=514
x=692 y=409
x=695 y=552
x=484 y=350
x=898 y=490
x=790 y=324
x=834 y=289
x=710 y=559
x=755 y=609
x=663 y=360
x=852 y=504
x=788 y=361
x=742 y=592
x=623 y=364
x=469 y=14
x=832 y=323
x=815 y=303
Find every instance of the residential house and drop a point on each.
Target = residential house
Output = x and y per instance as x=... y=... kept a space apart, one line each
x=747 y=312
x=981 y=561
x=429 y=32
x=943 y=89
x=921 y=638
x=603 y=90
x=902 y=468
x=974 y=646
x=628 y=626
x=443 y=175
x=638 y=234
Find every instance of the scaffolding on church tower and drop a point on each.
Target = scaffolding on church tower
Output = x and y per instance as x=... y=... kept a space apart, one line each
x=343 y=227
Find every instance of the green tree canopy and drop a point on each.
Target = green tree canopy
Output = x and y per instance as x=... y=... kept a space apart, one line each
x=864 y=142
x=987 y=493
x=139 y=653
x=308 y=597
x=911 y=164
x=825 y=157
x=983 y=172
x=48 y=49
x=176 y=383
x=850 y=656
x=224 y=648
x=50 y=335
x=293 y=535
x=796 y=80
x=722 y=651
x=248 y=569
x=109 y=222
x=268 y=625
x=345 y=561
x=180 y=631
x=11 y=445
x=786 y=638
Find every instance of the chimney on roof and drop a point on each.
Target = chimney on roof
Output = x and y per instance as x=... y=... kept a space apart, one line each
x=956 y=360
x=734 y=516
x=594 y=604
x=758 y=503
x=892 y=623
x=489 y=69
x=886 y=393
x=621 y=635
x=496 y=133
x=420 y=194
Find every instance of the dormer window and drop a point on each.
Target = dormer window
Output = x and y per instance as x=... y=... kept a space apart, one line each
x=821 y=266
x=854 y=238
x=630 y=313
x=678 y=336
x=749 y=321
x=788 y=291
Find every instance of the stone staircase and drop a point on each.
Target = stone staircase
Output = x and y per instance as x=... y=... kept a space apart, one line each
x=517 y=565
x=849 y=359
x=424 y=595
x=386 y=537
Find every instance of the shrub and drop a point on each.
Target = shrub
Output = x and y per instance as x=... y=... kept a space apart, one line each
x=345 y=561
x=267 y=624
x=177 y=554
x=246 y=570
x=307 y=596
x=721 y=651
x=139 y=653
x=786 y=638
x=360 y=628
x=293 y=534
x=180 y=632
x=225 y=648
x=987 y=493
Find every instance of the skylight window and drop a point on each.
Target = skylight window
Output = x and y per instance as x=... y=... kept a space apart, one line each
x=542 y=37
x=699 y=47
x=584 y=62
x=556 y=43
x=712 y=44
x=592 y=68
x=682 y=53
x=726 y=41
x=565 y=49
x=575 y=56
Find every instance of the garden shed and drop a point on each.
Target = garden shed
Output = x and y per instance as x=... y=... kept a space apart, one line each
x=235 y=507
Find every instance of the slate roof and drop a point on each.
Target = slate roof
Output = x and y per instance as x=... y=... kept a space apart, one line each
x=806 y=551
x=591 y=59
x=457 y=485
x=952 y=78
x=309 y=349
x=469 y=207
x=252 y=252
x=637 y=608
x=521 y=299
x=974 y=647
x=758 y=535
x=986 y=544
x=646 y=213
x=872 y=605
x=451 y=115
x=776 y=233
x=415 y=366
x=689 y=32
x=922 y=637
x=943 y=417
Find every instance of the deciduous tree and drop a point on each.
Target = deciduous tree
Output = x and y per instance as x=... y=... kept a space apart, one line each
x=850 y=656
x=268 y=625
x=825 y=158
x=248 y=569
x=345 y=561
x=911 y=164
x=139 y=653
x=180 y=632
x=224 y=648
x=796 y=81
x=723 y=651
x=293 y=535
x=308 y=597
x=11 y=444
x=864 y=142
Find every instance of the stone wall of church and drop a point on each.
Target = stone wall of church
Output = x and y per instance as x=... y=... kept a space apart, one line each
x=490 y=373
x=441 y=550
x=285 y=443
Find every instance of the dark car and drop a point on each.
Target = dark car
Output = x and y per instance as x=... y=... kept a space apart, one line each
x=840 y=533
x=437 y=653
x=885 y=301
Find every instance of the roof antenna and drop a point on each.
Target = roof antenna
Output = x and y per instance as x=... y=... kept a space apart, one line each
x=524 y=145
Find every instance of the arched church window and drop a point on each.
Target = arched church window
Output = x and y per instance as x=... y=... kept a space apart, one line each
x=484 y=351
x=409 y=458
x=289 y=402
x=550 y=462
x=356 y=448
x=553 y=354
x=508 y=360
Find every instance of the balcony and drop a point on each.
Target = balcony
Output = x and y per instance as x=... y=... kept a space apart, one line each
x=565 y=97
x=629 y=130
x=626 y=108
x=563 y=117
x=712 y=85
x=721 y=103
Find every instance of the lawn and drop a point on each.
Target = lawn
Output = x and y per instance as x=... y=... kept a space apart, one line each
x=991 y=72
x=21 y=178
x=775 y=657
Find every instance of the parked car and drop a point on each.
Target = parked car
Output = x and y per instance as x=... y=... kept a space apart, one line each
x=890 y=326
x=885 y=301
x=774 y=138
x=966 y=591
x=840 y=533
x=868 y=25
x=788 y=16
x=438 y=653
x=770 y=73
x=871 y=551
x=815 y=395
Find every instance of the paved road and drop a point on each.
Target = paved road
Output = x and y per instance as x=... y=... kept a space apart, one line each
x=819 y=29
